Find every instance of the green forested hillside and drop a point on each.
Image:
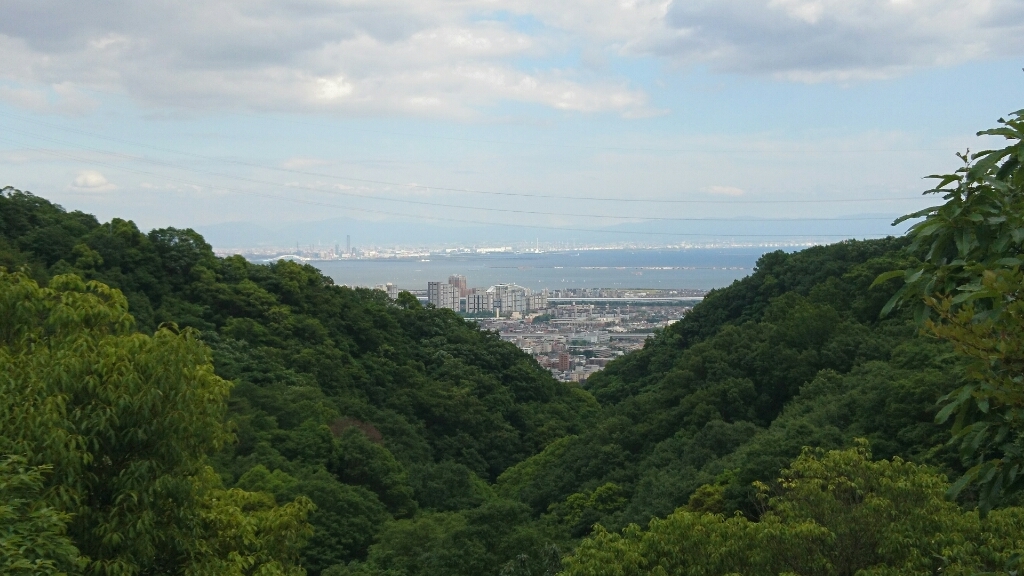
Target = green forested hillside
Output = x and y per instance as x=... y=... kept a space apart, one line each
x=837 y=512
x=371 y=409
x=380 y=412
x=430 y=447
x=831 y=513
x=793 y=355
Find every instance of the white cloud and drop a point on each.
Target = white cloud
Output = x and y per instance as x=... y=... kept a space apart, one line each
x=355 y=56
x=838 y=40
x=809 y=12
x=333 y=88
x=64 y=98
x=453 y=58
x=91 y=181
x=724 y=190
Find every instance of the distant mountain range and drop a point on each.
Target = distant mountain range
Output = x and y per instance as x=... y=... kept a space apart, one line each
x=367 y=233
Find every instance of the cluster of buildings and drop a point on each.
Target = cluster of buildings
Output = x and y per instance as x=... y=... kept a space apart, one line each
x=573 y=333
x=570 y=356
x=391 y=289
x=575 y=340
x=321 y=252
x=500 y=300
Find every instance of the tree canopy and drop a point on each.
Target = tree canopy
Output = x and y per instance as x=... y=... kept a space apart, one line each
x=213 y=415
x=834 y=513
x=968 y=289
x=372 y=409
x=105 y=433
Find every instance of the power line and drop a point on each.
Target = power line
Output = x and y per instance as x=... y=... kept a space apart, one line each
x=419 y=216
x=590 y=147
x=443 y=204
x=440 y=188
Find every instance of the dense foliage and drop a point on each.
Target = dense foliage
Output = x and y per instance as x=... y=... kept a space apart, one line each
x=430 y=447
x=970 y=288
x=103 y=434
x=791 y=356
x=835 y=513
x=838 y=513
x=373 y=409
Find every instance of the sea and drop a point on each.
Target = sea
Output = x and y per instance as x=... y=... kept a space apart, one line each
x=694 y=268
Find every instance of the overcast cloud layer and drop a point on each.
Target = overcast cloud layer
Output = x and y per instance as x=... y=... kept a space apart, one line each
x=565 y=114
x=454 y=59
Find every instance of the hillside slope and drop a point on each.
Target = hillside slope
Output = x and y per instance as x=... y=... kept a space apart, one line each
x=432 y=447
x=793 y=355
x=372 y=409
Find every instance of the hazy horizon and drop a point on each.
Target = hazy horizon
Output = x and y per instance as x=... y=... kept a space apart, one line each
x=565 y=116
x=249 y=235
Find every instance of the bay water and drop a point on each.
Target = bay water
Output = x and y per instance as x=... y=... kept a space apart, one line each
x=696 y=268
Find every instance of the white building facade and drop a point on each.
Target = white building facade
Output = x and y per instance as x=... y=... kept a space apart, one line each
x=443 y=295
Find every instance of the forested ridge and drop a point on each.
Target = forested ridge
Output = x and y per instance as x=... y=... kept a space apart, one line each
x=793 y=355
x=769 y=431
x=374 y=410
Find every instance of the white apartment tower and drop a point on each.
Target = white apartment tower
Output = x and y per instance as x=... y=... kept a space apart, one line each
x=509 y=298
x=443 y=295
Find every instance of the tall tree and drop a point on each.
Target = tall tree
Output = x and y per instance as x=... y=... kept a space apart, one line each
x=969 y=290
x=108 y=430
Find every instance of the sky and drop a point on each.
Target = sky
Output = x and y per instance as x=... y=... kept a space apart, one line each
x=542 y=115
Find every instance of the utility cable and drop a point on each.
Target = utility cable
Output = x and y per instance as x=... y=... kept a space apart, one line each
x=434 y=203
x=417 y=216
x=446 y=188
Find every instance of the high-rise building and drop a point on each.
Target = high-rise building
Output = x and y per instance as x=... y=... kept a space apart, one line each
x=509 y=298
x=433 y=293
x=537 y=301
x=450 y=298
x=563 y=362
x=479 y=301
x=459 y=281
x=443 y=295
x=348 y=244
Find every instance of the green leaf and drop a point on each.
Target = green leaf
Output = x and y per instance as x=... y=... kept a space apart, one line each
x=945 y=413
x=885 y=277
x=959 y=485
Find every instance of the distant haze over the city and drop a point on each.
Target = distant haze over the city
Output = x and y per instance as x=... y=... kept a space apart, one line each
x=332 y=232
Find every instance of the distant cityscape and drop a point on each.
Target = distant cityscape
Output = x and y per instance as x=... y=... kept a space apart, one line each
x=573 y=332
x=336 y=251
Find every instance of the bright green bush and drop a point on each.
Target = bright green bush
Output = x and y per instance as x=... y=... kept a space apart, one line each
x=831 y=513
